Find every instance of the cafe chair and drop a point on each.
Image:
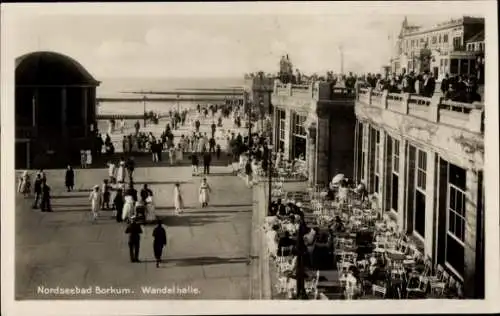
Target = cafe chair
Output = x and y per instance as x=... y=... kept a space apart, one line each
x=379 y=290
x=420 y=288
x=312 y=285
x=439 y=274
x=322 y=296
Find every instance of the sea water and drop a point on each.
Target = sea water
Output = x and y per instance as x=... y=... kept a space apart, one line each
x=121 y=87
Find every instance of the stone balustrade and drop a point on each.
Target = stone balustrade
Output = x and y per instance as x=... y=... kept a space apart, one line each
x=437 y=110
x=316 y=91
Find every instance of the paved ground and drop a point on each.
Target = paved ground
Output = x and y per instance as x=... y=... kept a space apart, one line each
x=208 y=252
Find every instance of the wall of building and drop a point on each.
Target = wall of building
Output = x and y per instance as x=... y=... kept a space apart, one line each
x=342 y=123
x=443 y=143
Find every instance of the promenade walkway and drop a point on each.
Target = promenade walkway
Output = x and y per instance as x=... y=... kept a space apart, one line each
x=208 y=249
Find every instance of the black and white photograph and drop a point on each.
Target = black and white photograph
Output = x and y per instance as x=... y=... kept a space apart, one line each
x=154 y=154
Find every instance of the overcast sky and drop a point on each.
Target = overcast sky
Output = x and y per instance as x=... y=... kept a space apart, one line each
x=215 y=45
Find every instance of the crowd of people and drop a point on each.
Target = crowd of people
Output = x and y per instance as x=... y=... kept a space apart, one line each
x=460 y=88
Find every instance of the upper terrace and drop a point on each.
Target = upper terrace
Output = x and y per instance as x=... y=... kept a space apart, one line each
x=318 y=91
x=317 y=95
x=437 y=110
x=454 y=128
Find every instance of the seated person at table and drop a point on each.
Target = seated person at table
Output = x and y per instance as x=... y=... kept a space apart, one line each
x=343 y=193
x=339 y=225
x=294 y=209
x=292 y=226
x=310 y=243
x=323 y=253
x=281 y=208
x=274 y=209
x=377 y=272
x=285 y=245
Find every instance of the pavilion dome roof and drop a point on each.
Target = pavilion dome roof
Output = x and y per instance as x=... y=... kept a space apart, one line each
x=45 y=68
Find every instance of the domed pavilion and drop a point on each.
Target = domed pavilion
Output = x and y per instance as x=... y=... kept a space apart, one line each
x=55 y=110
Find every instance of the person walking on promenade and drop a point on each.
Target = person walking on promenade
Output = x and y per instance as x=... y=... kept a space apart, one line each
x=128 y=207
x=118 y=203
x=69 y=179
x=218 y=151
x=134 y=232
x=24 y=186
x=211 y=145
x=83 y=159
x=197 y=125
x=213 y=126
x=137 y=126
x=171 y=155
x=106 y=195
x=159 y=242
x=194 y=163
x=248 y=172
x=122 y=125
x=37 y=186
x=178 y=201
x=179 y=154
x=111 y=172
x=45 y=201
x=207 y=159
x=204 y=193
x=88 y=155
x=130 y=168
x=96 y=201
x=121 y=172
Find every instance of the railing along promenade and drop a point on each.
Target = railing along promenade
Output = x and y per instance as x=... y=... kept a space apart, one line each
x=468 y=116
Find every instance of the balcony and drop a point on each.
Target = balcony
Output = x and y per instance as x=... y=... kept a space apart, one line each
x=452 y=128
x=318 y=91
x=437 y=110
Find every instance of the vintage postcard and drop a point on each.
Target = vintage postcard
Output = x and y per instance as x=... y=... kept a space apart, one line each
x=245 y=156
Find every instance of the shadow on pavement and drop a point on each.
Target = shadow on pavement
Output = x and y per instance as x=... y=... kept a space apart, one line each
x=160 y=182
x=214 y=212
x=197 y=261
x=187 y=220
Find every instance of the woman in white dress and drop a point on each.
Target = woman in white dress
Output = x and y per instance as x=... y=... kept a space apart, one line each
x=96 y=200
x=24 y=184
x=171 y=154
x=89 y=157
x=204 y=192
x=111 y=172
x=128 y=208
x=179 y=153
x=121 y=172
x=178 y=201
x=150 y=209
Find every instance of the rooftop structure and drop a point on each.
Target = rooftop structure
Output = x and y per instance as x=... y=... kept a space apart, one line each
x=313 y=125
x=55 y=109
x=439 y=49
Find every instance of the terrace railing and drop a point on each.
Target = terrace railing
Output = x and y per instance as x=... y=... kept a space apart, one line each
x=461 y=115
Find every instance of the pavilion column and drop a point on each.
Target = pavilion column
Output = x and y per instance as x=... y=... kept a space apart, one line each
x=64 y=110
x=85 y=109
x=311 y=154
x=34 y=106
x=471 y=237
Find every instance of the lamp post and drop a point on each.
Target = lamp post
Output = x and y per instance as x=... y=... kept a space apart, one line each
x=144 y=108
x=270 y=163
x=300 y=269
x=249 y=110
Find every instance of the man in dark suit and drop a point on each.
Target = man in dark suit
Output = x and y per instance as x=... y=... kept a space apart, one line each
x=445 y=84
x=207 y=159
x=134 y=232
x=37 y=190
x=429 y=85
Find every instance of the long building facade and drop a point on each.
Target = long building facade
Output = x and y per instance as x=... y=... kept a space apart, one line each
x=313 y=124
x=424 y=159
x=440 y=49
